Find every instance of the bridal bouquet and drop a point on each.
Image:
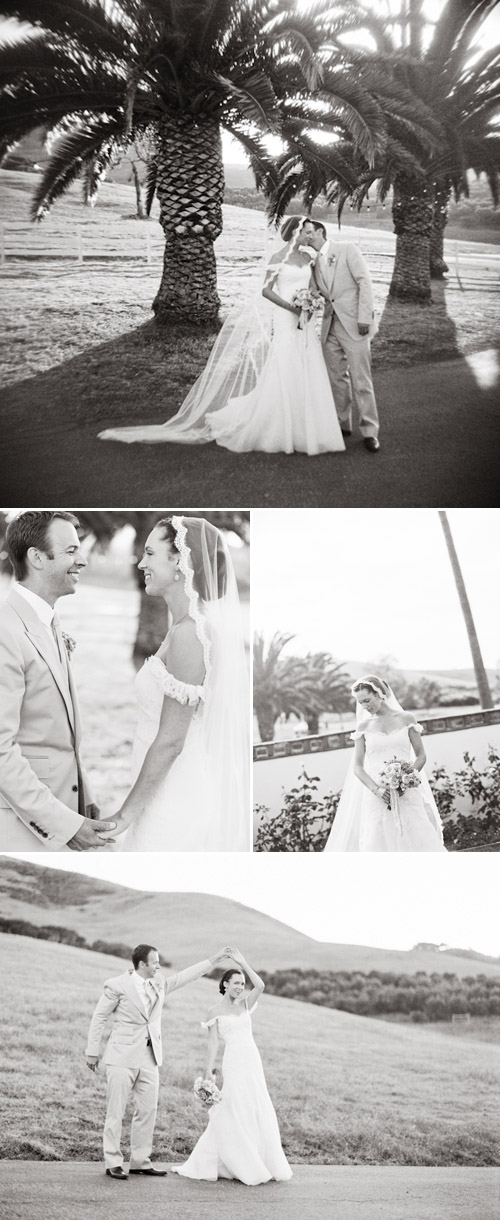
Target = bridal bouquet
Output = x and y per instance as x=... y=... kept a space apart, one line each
x=398 y=776
x=310 y=303
x=206 y=1091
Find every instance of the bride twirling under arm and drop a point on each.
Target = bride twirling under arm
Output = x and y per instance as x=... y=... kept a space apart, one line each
x=242 y=1139
x=366 y=819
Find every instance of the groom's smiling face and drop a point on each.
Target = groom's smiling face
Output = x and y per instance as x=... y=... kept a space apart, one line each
x=58 y=566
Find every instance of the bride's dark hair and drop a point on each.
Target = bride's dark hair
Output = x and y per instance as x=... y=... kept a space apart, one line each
x=196 y=542
x=228 y=974
x=373 y=683
x=289 y=226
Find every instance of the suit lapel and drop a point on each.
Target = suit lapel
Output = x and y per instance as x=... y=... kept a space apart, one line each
x=131 y=993
x=38 y=636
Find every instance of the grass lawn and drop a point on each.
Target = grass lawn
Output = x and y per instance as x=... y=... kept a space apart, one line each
x=347 y=1089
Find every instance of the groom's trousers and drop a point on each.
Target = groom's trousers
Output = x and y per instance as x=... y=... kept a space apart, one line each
x=348 y=362
x=142 y=1083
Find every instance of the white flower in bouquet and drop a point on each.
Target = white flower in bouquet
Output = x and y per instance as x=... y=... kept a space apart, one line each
x=310 y=303
x=206 y=1091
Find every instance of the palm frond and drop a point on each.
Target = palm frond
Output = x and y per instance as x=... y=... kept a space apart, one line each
x=67 y=161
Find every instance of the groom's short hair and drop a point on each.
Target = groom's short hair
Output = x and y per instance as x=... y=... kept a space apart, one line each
x=31 y=529
x=317 y=224
x=141 y=954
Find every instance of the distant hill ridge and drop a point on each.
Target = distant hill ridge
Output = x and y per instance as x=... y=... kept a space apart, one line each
x=185 y=927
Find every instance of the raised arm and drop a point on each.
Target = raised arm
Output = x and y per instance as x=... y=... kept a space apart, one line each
x=192 y=973
x=182 y=682
x=258 y=984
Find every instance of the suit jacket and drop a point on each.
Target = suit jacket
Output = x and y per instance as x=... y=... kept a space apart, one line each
x=41 y=777
x=132 y=1026
x=348 y=289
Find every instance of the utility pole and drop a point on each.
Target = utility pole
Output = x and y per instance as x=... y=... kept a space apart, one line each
x=479 y=669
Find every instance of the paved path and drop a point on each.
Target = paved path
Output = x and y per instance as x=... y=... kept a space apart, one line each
x=440 y=446
x=41 y=1190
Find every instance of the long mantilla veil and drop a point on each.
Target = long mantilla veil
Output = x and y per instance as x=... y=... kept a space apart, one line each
x=345 y=832
x=214 y=605
x=234 y=366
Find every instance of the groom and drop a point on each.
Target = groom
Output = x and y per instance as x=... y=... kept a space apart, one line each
x=133 y=1052
x=342 y=278
x=45 y=804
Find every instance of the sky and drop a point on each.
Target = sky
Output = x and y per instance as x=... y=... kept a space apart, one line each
x=363 y=583
x=383 y=900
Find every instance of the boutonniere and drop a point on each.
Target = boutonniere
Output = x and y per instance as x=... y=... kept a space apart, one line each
x=69 y=642
x=330 y=260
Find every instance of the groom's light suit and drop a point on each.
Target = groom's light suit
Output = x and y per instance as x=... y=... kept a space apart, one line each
x=43 y=791
x=343 y=278
x=132 y=1056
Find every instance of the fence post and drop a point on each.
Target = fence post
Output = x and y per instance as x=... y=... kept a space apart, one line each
x=148 y=243
x=79 y=243
x=457 y=268
x=2 y=243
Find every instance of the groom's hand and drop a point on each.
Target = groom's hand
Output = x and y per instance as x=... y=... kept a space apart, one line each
x=90 y=835
x=363 y=329
x=92 y=1062
x=92 y=811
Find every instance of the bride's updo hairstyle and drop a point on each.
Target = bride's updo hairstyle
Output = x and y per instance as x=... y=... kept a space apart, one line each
x=289 y=226
x=206 y=547
x=228 y=974
x=377 y=685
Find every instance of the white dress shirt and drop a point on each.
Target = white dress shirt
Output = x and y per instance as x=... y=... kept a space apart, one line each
x=145 y=993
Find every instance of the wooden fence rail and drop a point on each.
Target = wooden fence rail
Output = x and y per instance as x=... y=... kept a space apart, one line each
x=80 y=243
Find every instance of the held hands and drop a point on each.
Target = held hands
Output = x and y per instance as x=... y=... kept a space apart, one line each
x=93 y=1063
x=222 y=954
x=363 y=329
x=92 y=811
x=89 y=837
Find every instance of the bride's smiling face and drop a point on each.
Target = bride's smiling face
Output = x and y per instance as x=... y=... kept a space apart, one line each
x=235 y=986
x=159 y=564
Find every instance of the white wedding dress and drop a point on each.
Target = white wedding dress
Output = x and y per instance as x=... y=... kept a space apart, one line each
x=418 y=826
x=180 y=817
x=291 y=408
x=242 y=1139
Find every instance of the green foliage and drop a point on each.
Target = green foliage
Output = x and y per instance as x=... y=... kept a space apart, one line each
x=303 y=823
x=482 y=827
x=302 y=686
x=417 y=997
x=305 y=819
x=67 y=936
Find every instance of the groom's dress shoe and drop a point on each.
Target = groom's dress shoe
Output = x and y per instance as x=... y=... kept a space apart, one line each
x=371 y=443
x=151 y=1172
x=117 y=1172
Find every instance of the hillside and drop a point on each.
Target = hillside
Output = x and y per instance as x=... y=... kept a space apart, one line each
x=347 y=1089
x=185 y=927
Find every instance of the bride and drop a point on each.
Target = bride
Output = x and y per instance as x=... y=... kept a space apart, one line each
x=368 y=818
x=191 y=755
x=265 y=386
x=242 y=1139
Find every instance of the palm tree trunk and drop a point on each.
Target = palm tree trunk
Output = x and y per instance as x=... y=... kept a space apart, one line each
x=412 y=212
x=479 y=669
x=439 y=222
x=266 y=720
x=138 y=196
x=312 y=721
x=190 y=186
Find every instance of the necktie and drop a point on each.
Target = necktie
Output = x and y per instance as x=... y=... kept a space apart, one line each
x=150 y=997
x=56 y=632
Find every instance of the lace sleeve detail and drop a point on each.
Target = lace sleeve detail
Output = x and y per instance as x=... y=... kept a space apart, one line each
x=419 y=727
x=182 y=692
x=357 y=734
x=208 y=1024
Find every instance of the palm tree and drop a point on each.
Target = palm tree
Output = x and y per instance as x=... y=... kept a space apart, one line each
x=479 y=669
x=274 y=682
x=322 y=687
x=98 y=74
x=441 y=102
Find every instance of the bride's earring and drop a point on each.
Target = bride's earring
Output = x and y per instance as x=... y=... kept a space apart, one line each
x=176 y=577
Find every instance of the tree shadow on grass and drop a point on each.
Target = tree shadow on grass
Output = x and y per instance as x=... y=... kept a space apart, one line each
x=410 y=334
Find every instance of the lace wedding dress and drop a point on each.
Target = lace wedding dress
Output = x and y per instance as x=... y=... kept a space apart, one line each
x=375 y=827
x=242 y=1139
x=291 y=407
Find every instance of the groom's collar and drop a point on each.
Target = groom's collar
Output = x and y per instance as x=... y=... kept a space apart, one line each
x=42 y=609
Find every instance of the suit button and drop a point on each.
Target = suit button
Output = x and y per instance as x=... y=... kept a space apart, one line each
x=75 y=788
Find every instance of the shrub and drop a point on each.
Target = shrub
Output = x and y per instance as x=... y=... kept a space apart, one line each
x=304 y=822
